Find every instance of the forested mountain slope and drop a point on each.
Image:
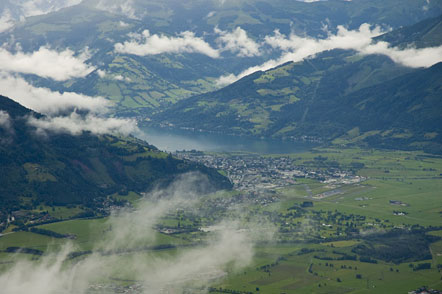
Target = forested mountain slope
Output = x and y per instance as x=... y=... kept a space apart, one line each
x=363 y=99
x=60 y=169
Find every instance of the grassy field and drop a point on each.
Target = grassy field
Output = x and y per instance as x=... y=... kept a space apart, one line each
x=412 y=179
x=307 y=274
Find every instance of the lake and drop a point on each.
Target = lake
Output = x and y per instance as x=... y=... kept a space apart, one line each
x=171 y=140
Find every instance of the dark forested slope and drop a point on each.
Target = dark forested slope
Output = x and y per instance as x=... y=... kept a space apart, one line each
x=64 y=169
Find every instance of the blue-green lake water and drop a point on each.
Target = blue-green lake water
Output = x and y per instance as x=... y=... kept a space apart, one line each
x=176 y=140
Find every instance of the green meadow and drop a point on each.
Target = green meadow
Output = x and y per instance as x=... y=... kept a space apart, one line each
x=314 y=250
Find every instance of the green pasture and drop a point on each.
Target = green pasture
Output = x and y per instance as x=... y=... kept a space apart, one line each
x=307 y=274
x=412 y=178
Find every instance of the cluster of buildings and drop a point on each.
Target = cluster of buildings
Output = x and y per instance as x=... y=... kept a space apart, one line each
x=259 y=174
x=425 y=290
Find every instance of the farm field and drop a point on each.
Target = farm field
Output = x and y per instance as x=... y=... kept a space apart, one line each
x=379 y=235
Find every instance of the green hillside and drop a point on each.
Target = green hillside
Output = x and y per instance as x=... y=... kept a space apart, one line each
x=427 y=33
x=337 y=95
x=324 y=101
x=63 y=169
x=140 y=86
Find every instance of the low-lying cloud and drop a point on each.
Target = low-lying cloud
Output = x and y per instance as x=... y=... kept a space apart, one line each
x=293 y=47
x=237 y=42
x=296 y=48
x=39 y=7
x=146 y=44
x=5 y=120
x=47 y=63
x=189 y=267
x=27 y=8
x=6 y=127
x=6 y=21
x=66 y=112
x=46 y=101
x=343 y=39
x=410 y=57
x=76 y=124
x=124 y=7
x=426 y=5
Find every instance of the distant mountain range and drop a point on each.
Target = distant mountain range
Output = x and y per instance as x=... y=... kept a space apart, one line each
x=60 y=169
x=141 y=85
x=337 y=95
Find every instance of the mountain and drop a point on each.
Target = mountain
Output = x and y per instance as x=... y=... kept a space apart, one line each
x=336 y=95
x=404 y=113
x=61 y=169
x=141 y=85
x=427 y=33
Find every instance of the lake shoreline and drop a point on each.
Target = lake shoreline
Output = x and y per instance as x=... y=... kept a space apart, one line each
x=173 y=139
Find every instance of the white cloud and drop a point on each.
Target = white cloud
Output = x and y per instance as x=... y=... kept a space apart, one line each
x=61 y=109
x=121 y=78
x=6 y=21
x=146 y=44
x=124 y=7
x=47 y=63
x=5 y=120
x=123 y=24
x=6 y=125
x=75 y=124
x=44 y=100
x=410 y=57
x=295 y=48
x=162 y=273
x=39 y=7
x=210 y=14
x=237 y=42
x=343 y=39
x=27 y=8
x=101 y=73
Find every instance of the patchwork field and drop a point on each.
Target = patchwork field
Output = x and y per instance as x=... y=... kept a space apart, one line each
x=379 y=235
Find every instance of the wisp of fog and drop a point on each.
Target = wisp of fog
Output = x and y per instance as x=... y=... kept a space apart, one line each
x=122 y=252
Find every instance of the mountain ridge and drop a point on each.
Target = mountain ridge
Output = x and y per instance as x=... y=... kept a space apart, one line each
x=309 y=99
x=141 y=85
x=61 y=169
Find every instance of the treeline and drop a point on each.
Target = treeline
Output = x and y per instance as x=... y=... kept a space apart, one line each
x=23 y=250
x=396 y=246
x=344 y=256
x=222 y=290
x=138 y=249
x=421 y=266
x=52 y=233
x=266 y=268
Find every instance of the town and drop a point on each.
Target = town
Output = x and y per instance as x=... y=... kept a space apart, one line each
x=255 y=174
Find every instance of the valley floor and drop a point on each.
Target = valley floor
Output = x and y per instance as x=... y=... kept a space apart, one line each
x=324 y=221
